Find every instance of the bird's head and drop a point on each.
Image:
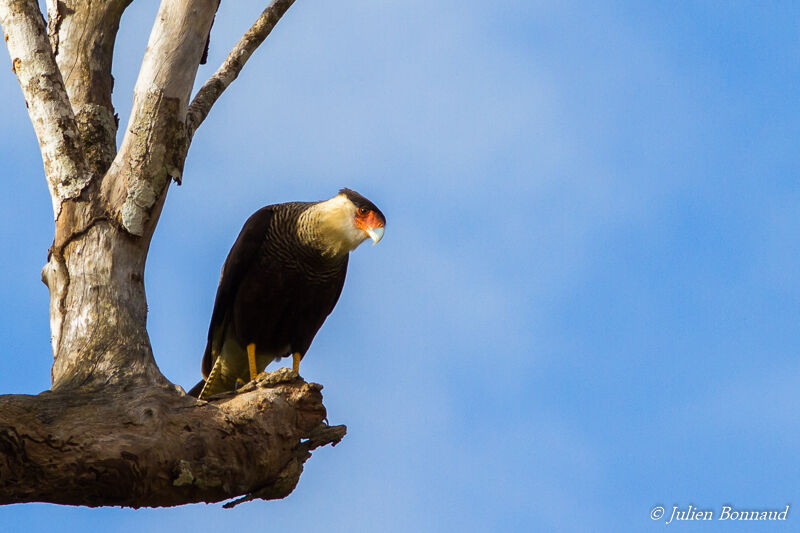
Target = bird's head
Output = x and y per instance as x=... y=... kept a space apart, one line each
x=365 y=216
x=347 y=220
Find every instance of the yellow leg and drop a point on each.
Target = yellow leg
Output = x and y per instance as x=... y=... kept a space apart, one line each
x=251 y=357
x=296 y=362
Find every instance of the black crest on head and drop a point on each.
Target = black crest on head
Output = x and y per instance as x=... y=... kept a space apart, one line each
x=360 y=201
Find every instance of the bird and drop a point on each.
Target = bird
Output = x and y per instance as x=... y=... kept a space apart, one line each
x=280 y=281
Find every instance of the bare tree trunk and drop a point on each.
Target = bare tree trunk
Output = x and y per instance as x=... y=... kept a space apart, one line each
x=113 y=430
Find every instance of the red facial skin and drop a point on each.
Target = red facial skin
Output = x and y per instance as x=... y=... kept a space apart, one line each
x=367 y=219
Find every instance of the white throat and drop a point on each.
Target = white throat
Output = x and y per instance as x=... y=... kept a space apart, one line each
x=329 y=226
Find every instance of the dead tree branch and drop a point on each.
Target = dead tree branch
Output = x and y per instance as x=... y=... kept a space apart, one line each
x=211 y=90
x=154 y=148
x=113 y=430
x=49 y=109
x=154 y=446
x=82 y=37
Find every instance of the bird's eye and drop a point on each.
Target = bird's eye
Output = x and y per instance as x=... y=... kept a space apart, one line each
x=363 y=211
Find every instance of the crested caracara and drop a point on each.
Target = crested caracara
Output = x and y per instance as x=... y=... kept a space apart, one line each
x=280 y=281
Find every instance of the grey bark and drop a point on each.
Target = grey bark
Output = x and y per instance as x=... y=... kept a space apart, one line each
x=113 y=428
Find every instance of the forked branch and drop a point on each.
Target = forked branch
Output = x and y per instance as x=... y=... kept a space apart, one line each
x=82 y=36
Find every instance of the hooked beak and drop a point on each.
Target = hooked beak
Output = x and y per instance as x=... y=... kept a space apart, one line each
x=376 y=234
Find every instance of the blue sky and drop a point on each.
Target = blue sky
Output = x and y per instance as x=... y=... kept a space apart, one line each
x=587 y=301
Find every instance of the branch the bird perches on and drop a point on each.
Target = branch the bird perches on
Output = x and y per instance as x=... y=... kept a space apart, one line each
x=146 y=446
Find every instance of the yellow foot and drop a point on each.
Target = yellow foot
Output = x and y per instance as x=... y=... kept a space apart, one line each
x=251 y=358
x=296 y=362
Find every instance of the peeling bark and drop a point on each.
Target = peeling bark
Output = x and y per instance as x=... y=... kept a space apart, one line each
x=48 y=104
x=155 y=144
x=113 y=430
x=82 y=36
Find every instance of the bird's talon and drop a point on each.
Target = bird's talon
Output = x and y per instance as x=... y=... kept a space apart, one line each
x=276 y=377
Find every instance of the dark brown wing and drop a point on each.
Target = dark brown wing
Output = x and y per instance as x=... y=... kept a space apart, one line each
x=241 y=258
